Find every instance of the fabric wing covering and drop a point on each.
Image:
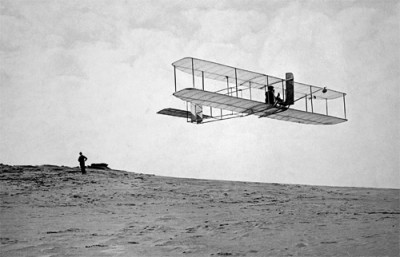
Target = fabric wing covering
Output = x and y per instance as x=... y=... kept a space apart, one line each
x=245 y=106
x=216 y=71
x=220 y=101
x=298 y=116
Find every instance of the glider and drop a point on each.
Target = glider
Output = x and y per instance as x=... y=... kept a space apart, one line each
x=219 y=92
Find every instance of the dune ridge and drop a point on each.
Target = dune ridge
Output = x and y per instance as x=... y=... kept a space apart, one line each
x=56 y=211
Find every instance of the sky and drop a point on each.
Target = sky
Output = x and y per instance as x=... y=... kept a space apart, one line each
x=90 y=76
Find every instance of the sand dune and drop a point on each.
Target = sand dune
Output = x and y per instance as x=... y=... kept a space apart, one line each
x=56 y=211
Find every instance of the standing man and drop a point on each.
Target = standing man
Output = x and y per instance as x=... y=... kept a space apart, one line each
x=81 y=161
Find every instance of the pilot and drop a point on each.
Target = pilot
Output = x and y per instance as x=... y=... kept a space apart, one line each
x=270 y=95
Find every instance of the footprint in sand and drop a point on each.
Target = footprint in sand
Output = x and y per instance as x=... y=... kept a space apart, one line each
x=98 y=245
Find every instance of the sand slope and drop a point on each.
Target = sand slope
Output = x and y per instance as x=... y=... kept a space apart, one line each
x=56 y=211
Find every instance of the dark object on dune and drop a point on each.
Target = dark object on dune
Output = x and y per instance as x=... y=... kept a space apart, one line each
x=99 y=166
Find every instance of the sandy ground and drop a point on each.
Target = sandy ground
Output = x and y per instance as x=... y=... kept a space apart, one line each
x=56 y=211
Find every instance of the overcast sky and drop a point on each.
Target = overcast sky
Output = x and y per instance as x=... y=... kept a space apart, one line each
x=90 y=76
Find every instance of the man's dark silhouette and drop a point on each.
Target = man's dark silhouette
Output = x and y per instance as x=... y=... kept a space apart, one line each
x=81 y=161
x=270 y=95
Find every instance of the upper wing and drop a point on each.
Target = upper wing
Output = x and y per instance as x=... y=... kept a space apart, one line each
x=248 y=107
x=221 y=72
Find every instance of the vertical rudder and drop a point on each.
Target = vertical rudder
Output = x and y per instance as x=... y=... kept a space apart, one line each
x=289 y=100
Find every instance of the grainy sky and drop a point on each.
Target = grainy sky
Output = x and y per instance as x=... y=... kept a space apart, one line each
x=90 y=76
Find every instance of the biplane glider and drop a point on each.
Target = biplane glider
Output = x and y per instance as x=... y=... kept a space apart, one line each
x=232 y=92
